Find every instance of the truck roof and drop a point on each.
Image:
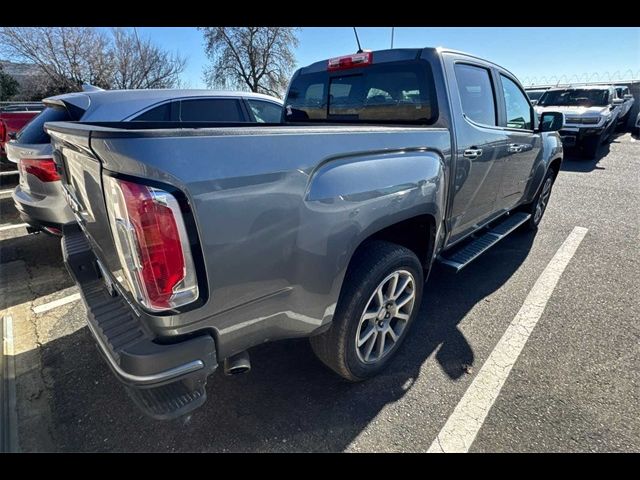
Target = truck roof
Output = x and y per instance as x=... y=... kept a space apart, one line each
x=398 y=54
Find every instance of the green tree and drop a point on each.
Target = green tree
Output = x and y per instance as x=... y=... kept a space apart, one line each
x=8 y=85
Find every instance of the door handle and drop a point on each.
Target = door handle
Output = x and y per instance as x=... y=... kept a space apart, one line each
x=515 y=148
x=472 y=152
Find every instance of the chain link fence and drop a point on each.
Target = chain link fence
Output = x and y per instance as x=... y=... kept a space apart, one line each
x=595 y=78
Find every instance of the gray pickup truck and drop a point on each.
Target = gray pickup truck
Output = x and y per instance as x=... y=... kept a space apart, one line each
x=196 y=242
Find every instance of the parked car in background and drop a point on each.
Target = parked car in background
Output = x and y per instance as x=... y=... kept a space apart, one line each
x=627 y=98
x=534 y=94
x=38 y=197
x=637 y=125
x=13 y=117
x=195 y=244
x=591 y=114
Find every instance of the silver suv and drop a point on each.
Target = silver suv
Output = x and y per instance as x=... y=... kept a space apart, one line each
x=591 y=114
x=39 y=198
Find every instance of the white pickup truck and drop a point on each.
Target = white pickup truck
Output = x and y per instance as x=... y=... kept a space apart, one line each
x=591 y=114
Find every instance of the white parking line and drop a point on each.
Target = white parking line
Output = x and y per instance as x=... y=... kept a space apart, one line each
x=56 y=303
x=9 y=227
x=463 y=425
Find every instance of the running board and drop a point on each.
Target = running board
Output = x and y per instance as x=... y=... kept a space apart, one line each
x=459 y=259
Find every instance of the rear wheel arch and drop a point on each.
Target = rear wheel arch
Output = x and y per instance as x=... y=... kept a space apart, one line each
x=415 y=233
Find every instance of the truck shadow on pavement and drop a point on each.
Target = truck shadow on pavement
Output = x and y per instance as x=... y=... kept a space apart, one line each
x=289 y=401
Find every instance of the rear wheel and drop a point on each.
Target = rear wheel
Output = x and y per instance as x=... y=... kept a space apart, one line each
x=380 y=299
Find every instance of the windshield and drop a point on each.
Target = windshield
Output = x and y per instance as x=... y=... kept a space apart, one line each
x=401 y=92
x=579 y=97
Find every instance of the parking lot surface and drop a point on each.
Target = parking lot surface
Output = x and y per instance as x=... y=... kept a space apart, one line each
x=574 y=386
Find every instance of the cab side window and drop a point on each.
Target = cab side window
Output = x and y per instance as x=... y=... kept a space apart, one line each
x=476 y=93
x=517 y=105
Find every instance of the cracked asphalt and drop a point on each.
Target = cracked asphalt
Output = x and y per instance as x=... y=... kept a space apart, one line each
x=574 y=387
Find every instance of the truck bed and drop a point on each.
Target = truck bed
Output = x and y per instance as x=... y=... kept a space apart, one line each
x=275 y=211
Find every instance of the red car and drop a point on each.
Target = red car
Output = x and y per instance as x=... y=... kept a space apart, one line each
x=13 y=117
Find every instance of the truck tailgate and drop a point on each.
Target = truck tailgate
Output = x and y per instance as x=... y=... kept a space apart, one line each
x=81 y=171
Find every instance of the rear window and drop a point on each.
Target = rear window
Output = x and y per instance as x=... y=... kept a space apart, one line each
x=33 y=132
x=401 y=92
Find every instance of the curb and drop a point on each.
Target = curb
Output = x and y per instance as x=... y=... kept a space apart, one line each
x=8 y=412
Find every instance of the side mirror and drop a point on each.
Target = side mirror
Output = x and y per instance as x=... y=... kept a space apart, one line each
x=628 y=96
x=617 y=101
x=534 y=102
x=551 y=122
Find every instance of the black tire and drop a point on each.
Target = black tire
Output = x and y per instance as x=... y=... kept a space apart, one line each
x=590 y=146
x=373 y=262
x=534 y=221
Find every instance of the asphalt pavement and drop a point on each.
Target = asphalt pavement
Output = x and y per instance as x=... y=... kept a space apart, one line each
x=575 y=385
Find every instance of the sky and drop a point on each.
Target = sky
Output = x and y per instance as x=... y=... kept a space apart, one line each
x=533 y=54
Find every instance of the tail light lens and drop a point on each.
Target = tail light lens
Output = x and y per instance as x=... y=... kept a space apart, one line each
x=350 y=61
x=152 y=244
x=42 y=168
x=3 y=132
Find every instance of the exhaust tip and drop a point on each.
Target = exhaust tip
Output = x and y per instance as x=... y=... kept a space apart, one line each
x=237 y=364
x=237 y=370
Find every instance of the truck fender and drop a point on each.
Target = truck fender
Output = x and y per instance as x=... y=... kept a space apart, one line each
x=551 y=150
x=349 y=198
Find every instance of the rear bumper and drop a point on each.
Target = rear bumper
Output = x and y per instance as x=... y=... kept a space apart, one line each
x=47 y=211
x=165 y=379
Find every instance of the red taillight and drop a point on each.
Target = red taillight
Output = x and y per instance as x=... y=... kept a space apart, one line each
x=3 y=132
x=350 y=61
x=152 y=243
x=42 y=168
x=158 y=241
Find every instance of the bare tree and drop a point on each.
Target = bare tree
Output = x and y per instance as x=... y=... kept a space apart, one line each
x=140 y=64
x=69 y=57
x=37 y=86
x=257 y=58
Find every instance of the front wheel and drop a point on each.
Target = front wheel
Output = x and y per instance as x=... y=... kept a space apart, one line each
x=380 y=299
x=591 y=144
x=540 y=202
